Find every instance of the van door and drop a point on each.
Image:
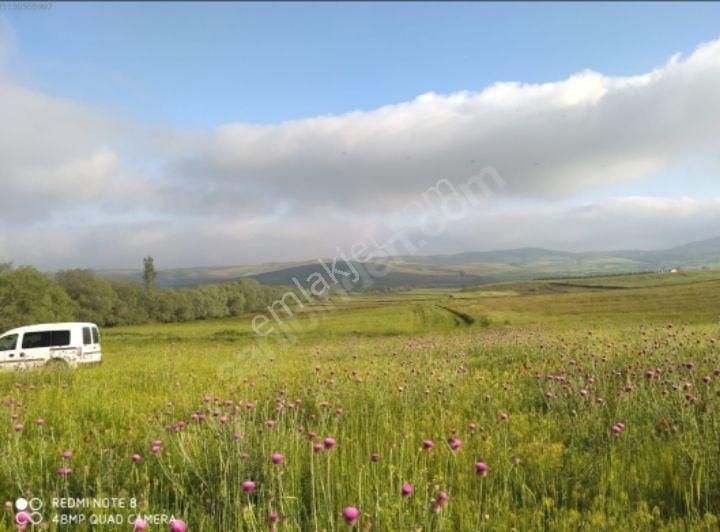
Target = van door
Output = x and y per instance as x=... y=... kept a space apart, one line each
x=8 y=349
x=91 y=344
x=87 y=342
x=37 y=346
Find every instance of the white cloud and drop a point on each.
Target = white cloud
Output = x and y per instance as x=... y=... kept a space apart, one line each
x=636 y=222
x=548 y=140
x=88 y=188
x=620 y=223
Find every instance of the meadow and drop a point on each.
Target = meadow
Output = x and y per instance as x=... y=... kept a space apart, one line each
x=553 y=406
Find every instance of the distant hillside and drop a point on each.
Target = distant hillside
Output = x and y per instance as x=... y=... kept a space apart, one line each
x=188 y=277
x=704 y=253
x=372 y=276
x=460 y=269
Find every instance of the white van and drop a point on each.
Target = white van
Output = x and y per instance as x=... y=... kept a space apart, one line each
x=36 y=345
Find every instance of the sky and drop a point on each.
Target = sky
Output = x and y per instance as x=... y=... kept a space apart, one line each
x=229 y=133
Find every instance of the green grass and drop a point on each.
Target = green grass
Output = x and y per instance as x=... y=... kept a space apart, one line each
x=402 y=369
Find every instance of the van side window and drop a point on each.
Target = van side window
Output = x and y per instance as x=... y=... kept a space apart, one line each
x=45 y=339
x=9 y=342
x=37 y=339
x=87 y=336
x=61 y=338
x=95 y=335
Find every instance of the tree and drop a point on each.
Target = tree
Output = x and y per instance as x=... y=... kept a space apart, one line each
x=184 y=311
x=28 y=296
x=149 y=273
x=130 y=305
x=235 y=299
x=252 y=291
x=165 y=306
x=94 y=295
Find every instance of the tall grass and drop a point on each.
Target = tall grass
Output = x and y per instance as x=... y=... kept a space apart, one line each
x=556 y=462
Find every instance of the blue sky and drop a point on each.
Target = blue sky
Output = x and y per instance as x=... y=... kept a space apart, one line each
x=220 y=133
x=204 y=65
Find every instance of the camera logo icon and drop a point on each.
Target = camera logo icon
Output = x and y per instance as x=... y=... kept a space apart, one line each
x=28 y=511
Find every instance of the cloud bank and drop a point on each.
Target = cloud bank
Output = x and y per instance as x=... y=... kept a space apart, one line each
x=82 y=186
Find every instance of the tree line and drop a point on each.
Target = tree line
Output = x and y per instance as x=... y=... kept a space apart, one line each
x=29 y=296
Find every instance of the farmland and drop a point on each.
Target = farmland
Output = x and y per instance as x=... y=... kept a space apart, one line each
x=556 y=405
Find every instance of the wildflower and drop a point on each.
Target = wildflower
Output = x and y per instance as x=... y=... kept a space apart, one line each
x=276 y=458
x=248 y=486
x=351 y=515
x=67 y=455
x=18 y=427
x=317 y=448
x=23 y=519
x=39 y=422
x=455 y=443
x=407 y=490
x=428 y=444
x=64 y=471
x=177 y=525
x=482 y=469
x=270 y=423
x=273 y=517
x=140 y=525
x=136 y=458
x=503 y=416
x=375 y=457
x=329 y=443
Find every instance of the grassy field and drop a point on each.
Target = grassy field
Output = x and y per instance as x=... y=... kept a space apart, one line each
x=529 y=406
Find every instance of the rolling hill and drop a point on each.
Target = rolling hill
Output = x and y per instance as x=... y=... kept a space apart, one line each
x=455 y=270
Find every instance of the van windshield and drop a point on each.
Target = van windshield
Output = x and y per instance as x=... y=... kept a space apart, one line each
x=9 y=342
x=45 y=339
